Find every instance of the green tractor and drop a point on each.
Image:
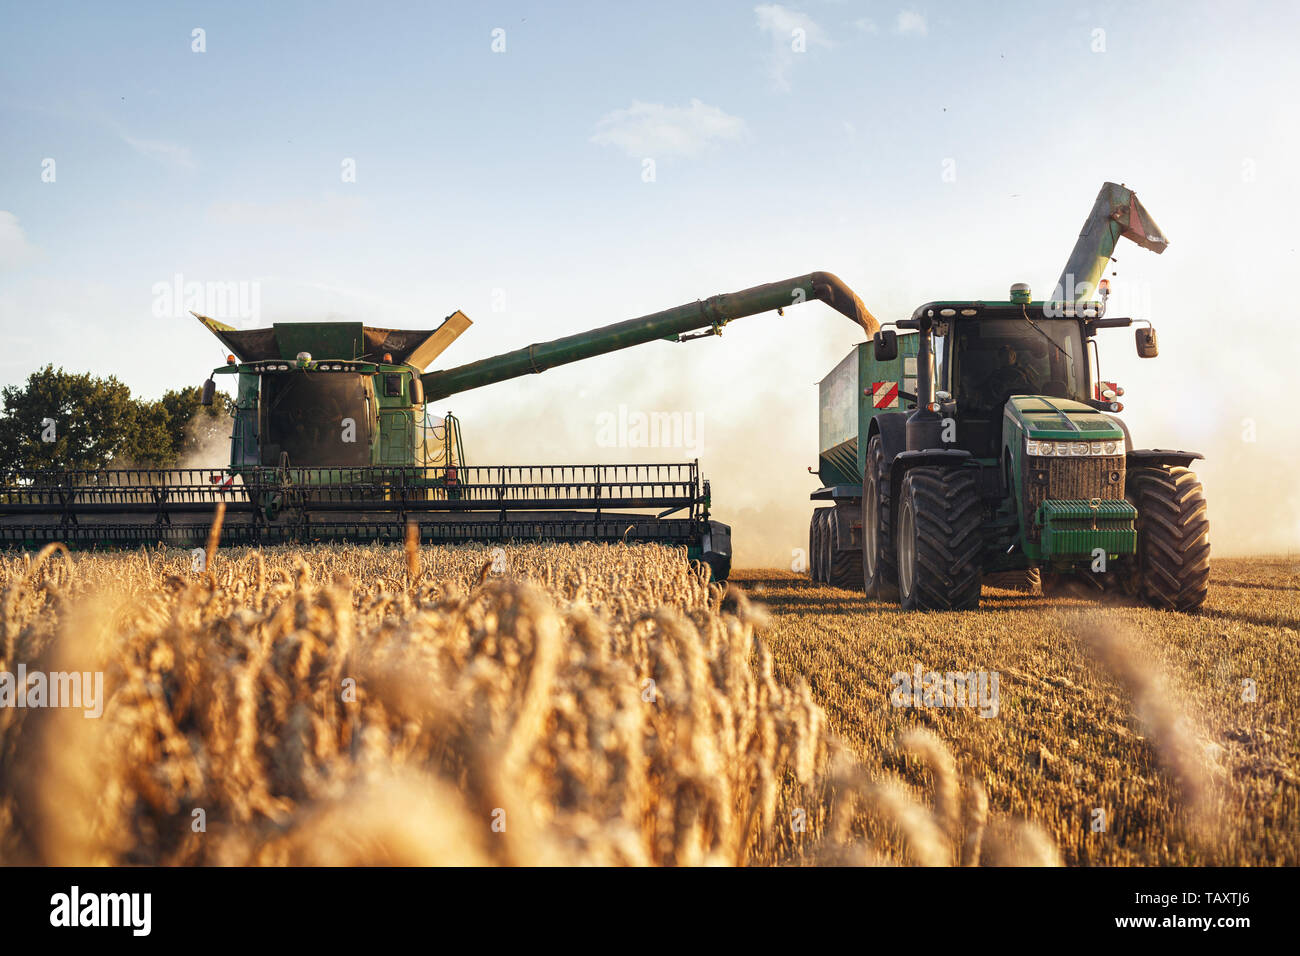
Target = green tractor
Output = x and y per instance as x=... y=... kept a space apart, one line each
x=982 y=443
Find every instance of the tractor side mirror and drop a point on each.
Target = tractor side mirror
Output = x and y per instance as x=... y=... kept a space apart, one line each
x=1147 y=345
x=417 y=390
x=209 y=391
x=885 y=345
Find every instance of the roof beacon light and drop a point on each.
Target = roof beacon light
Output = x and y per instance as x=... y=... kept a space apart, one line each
x=1020 y=293
x=1103 y=287
x=230 y=360
x=304 y=359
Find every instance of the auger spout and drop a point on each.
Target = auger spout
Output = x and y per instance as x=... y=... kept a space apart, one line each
x=711 y=314
x=1116 y=214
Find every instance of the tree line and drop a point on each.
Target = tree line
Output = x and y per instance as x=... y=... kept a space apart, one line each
x=61 y=420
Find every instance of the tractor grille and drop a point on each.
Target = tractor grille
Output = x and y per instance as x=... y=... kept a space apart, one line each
x=1078 y=479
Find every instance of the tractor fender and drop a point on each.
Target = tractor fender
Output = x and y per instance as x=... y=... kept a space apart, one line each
x=892 y=429
x=1161 y=456
x=951 y=457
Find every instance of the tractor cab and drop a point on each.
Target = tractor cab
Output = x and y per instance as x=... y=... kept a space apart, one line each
x=986 y=353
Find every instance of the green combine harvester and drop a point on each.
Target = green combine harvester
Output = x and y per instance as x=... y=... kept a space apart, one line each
x=333 y=440
x=982 y=442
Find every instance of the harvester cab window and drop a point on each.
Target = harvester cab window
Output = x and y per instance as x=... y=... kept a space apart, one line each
x=392 y=385
x=307 y=416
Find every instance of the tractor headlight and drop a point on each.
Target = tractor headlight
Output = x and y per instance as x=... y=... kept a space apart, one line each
x=1070 y=449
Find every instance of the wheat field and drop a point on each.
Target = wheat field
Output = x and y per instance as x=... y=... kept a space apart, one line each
x=599 y=704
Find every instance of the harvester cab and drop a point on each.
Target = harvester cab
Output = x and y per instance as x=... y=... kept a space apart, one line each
x=1007 y=457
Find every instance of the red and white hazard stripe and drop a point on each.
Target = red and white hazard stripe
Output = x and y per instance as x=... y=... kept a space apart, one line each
x=884 y=394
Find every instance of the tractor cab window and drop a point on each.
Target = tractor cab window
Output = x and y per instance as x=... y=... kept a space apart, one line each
x=995 y=359
x=317 y=418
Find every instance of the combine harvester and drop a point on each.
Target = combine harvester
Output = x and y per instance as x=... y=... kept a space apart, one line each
x=986 y=443
x=333 y=440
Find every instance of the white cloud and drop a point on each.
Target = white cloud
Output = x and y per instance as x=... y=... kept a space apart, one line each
x=653 y=130
x=15 y=250
x=910 y=22
x=866 y=25
x=168 y=152
x=793 y=34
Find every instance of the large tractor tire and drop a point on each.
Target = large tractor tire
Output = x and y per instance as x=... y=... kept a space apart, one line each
x=817 y=545
x=939 y=540
x=846 y=560
x=1172 y=570
x=813 y=563
x=879 y=559
x=828 y=523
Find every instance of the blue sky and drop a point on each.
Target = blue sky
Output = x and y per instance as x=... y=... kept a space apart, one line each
x=511 y=185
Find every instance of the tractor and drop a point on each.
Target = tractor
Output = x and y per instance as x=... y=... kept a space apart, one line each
x=981 y=443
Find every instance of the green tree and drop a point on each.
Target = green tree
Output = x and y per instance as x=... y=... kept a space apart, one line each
x=60 y=420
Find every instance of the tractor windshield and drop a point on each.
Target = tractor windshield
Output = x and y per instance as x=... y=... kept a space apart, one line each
x=317 y=418
x=993 y=359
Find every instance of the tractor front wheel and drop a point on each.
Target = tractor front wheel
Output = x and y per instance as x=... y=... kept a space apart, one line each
x=939 y=540
x=1172 y=568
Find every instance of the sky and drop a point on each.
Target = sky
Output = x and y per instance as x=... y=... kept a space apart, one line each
x=549 y=168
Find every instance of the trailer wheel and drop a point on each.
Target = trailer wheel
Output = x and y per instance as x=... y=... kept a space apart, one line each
x=815 y=545
x=846 y=561
x=812 y=546
x=879 y=562
x=827 y=524
x=1172 y=570
x=939 y=540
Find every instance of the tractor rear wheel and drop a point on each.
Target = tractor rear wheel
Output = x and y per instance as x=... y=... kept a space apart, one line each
x=879 y=561
x=846 y=560
x=939 y=540
x=1172 y=570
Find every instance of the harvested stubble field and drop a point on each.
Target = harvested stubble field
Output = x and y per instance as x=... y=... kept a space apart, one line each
x=1141 y=714
x=346 y=705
